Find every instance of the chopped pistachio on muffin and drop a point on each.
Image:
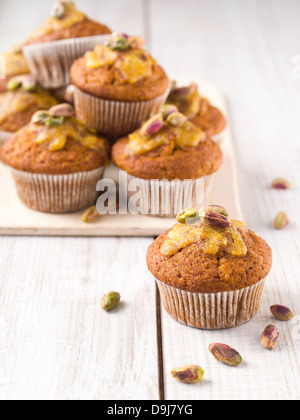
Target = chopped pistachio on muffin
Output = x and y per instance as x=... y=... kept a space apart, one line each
x=121 y=70
x=23 y=98
x=206 y=252
x=197 y=108
x=167 y=146
x=66 y=22
x=55 y=142
x=15 y=65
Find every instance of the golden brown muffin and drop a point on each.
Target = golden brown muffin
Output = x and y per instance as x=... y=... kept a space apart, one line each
x=211 y=255
x=168 y=146
x=55 y=143
x=121 y=70
x=66 y=22
x=15 y=65
x=23 y=98
x=198 y=109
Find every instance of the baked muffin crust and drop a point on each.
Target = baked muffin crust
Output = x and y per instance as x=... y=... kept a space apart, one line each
x=192 y=268
x=128 y=74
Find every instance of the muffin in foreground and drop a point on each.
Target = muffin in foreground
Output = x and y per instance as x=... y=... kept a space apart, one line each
x=210 y=270
x=18 y=104
x=118 y=85
x=173 y=151
x=52 y=48
x=56 y=161
x=198 y=109
x=15 y=65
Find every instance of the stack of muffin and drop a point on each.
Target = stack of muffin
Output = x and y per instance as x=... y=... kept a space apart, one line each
x=158 y=130
x=210 y=270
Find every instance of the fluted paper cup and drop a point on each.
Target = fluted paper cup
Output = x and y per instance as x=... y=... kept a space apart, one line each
x=162 y=198
x=114 y=118
x=212 y=311
x=4 y=135
x=57 y=193
x=50 y=62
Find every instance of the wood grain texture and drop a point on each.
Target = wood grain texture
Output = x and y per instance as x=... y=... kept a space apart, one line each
x=56 y=342
x=247 y=48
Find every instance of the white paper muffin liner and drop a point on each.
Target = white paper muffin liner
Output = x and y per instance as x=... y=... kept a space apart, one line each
x=166 y=199
x=4 y=135
x=50 y=62
x=212 y=311
x=114 y=118
x=57 y=193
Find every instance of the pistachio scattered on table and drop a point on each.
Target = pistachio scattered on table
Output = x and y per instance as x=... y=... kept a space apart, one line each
x=281 y=184
x=282 y=313
x=188 y=374
x=270 y=336
x=225 y=354
x=281 y=220
x=110 y=300
x=90 y=215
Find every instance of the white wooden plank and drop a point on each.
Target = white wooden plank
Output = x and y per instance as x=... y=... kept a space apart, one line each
x=56 y=342
x=247 y=48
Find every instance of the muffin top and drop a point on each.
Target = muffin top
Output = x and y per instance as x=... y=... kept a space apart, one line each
x=168 y=146
x=206 y=252
x=55 y=143
x=197 y=108
x=23 y=98
x=66 y=22
x=121 y=70
x=15 y=65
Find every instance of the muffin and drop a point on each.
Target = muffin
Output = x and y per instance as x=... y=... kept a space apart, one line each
x=56 y=161
x=210 y=270
x=66 y=35
x=18 y=104
x=198 y=109
x=15 y=65
x=118 y=85
x=171 y=159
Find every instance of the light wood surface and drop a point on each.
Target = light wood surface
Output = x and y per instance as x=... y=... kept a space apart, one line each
x=55 y=342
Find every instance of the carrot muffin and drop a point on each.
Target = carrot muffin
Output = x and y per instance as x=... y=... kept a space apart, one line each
x=15 y=65
x=168 y=147
x=198 y=109
x=53 y=47
x=118 y=85
x=56 y=161
x=210 y=270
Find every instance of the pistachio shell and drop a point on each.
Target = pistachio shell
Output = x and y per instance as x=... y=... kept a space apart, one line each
x=62 y=110
x=216 y=220
x=185 y=91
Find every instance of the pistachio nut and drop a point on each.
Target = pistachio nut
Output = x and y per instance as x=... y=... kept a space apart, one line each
x=62 y=110
x=270 y=337
x=152 y=126
x=282 y=312
x=29 y=83
x=186 y=91
x=110 y=300
x=216 y=208
x=225 y=354
x=281 y=220
x=188 y=374
x=216 y=220
x=281 y=184
x=176 y=119
x=90 y=215
x=188 y=216
x=118 y=42
x=40 y=117
x=58 y=10
x=167 y=110
x=14 y=84
x=54 y=121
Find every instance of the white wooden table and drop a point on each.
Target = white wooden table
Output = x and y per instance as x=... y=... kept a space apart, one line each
x=55 y=341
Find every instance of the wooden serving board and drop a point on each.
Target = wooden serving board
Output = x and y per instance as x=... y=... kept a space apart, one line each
x=16 y=219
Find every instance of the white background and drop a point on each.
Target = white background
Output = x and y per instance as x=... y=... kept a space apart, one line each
x=54 y=341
